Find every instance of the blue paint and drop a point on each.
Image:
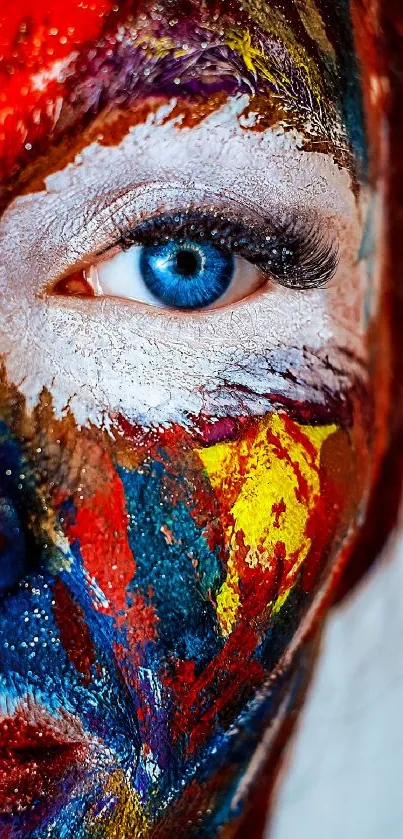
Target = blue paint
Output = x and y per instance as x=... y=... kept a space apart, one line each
x=181 y=593
x=13 y=552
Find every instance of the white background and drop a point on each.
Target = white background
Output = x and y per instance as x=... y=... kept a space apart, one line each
x=345 y=778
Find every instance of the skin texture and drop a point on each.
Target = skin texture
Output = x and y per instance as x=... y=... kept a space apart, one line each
x=180 y=491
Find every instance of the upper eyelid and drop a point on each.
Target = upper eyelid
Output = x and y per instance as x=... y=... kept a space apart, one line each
x=98 y=223
x=280 y=225
x=208 y=201
x=103 y=221
x=295 y=255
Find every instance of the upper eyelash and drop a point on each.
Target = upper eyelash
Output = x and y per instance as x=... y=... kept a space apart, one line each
x=298 y=255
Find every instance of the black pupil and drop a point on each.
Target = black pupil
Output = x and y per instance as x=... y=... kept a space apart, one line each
x=187 y=263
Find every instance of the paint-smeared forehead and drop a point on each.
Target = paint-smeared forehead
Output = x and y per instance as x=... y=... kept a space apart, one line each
x=62 y=64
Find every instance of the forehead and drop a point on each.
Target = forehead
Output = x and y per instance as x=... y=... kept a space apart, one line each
x=64 y=63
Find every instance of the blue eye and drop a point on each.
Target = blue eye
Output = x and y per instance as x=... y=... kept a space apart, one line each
x=186 y=274
x=178 y=273
x=173 y=262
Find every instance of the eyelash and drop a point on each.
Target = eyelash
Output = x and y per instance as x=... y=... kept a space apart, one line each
x=298 y=256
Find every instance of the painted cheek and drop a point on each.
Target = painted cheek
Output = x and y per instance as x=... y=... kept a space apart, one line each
x=193 y=560
x=270 y=491
x=286 y=495
x=209 y=557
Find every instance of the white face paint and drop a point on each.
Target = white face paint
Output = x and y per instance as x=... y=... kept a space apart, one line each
x=98 y=356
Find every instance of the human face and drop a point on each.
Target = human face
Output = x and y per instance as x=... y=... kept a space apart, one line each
x=192 y=335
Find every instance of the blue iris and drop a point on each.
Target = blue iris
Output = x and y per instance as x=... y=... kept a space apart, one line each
x=186 y=274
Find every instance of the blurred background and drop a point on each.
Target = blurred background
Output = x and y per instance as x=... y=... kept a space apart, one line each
x=345 y=771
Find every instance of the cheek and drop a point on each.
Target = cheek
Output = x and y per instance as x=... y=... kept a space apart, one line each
x=202 y=562
x=186 y=547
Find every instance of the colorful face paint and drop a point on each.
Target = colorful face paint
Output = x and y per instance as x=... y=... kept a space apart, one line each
x=174 y=569
x=181 y=483
x=68 y=64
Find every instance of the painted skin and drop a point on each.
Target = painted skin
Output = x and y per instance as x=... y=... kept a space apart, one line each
x=180 y=489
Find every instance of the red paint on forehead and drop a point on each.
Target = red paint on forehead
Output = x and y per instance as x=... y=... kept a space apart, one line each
x=27 y=28
x=36 y=39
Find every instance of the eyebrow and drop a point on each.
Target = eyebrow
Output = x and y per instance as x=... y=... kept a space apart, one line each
x=286 y=72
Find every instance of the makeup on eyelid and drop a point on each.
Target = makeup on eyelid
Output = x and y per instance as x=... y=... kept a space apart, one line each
x=171 y=260
x=87 y=203
x=260 y=171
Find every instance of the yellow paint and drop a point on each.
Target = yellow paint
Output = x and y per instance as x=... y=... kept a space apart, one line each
x=254 y=58
x=271 y=20
x=156 y=47
x=128 y=820
x=257 y=478
x=265 y=62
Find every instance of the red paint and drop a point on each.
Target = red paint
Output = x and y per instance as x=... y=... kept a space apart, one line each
x=100 y=527
x=33 y=37
x=278 y=510
x=33 y=759
x=327 y=514
x=197 y=701
x=73 y=630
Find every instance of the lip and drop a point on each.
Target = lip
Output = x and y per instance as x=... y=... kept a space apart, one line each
x=36 y=751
